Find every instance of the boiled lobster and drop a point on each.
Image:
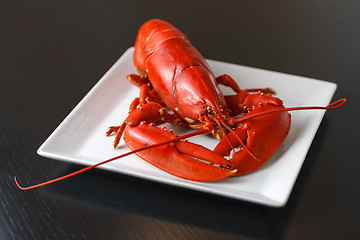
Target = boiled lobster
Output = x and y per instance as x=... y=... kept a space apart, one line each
x=174 y=76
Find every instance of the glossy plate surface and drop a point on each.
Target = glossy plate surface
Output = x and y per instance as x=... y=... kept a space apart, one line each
x=81 y=139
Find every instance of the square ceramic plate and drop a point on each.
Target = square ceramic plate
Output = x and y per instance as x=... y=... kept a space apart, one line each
x=81 y=139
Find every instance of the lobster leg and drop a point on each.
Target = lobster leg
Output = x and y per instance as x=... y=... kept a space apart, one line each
x=146 y=90
x=235 y=103
x=137 y=80
x=228 y=81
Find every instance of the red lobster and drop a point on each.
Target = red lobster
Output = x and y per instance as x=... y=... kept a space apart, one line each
x=175 y=76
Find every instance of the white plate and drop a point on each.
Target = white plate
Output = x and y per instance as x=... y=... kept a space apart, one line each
x=81 y=139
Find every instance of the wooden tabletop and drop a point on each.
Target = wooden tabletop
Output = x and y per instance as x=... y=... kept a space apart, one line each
x=54 y=52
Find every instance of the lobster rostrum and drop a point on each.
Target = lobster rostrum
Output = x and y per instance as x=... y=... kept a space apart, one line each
x=250 y=125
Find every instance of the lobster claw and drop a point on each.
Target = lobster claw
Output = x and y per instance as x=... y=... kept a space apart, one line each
x=262 y=135
x=182 y=159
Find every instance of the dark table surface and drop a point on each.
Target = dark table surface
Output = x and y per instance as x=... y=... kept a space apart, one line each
x=52 y=54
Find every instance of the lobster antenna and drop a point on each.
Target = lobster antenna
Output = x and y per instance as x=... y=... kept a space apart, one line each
x=198 y=132
x=334 y=105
